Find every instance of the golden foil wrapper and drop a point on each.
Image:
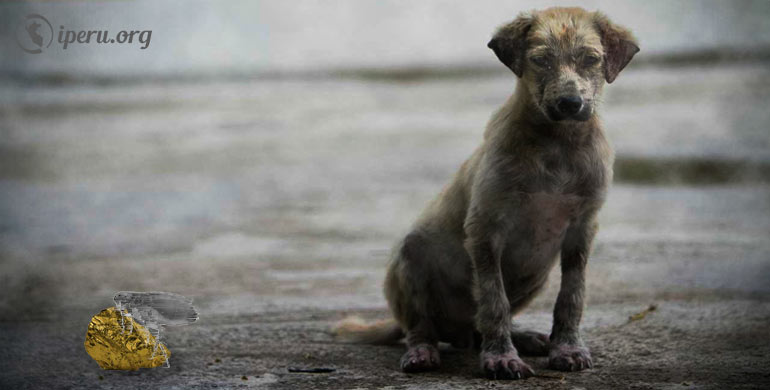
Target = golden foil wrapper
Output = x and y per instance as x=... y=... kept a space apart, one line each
x=116 y=349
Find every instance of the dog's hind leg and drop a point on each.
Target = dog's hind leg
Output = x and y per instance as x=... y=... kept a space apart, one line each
x=409 y=291
x=422 y=353
x=529 y=342
x=526 y=342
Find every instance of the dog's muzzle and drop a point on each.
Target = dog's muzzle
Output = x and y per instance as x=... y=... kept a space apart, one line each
x=569 y=107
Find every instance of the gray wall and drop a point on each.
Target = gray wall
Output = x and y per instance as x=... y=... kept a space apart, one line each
x=237 y=36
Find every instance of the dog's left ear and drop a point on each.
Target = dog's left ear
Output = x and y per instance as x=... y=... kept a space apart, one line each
x=619 y=46
x=510 y=43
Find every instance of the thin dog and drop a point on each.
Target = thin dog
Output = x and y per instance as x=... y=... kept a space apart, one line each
x=483 y=249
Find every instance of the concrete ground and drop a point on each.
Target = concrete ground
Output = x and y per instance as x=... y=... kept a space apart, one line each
x=274 y=203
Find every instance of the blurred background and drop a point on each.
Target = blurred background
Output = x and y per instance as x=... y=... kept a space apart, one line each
x=262 y=157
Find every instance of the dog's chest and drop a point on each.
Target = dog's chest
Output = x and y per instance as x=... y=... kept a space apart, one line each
x=550 y=214
x=543 y=221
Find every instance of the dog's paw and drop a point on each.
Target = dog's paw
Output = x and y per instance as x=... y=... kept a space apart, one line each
x=565 y=357
x=530 y=343
x=421 y=357
x=504 y=366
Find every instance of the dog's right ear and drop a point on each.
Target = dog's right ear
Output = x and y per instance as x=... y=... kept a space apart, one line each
x=510 y=43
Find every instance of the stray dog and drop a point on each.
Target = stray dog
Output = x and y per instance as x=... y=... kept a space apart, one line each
x=483 y=249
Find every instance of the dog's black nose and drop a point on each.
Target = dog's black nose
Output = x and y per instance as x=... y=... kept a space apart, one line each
x=569 y=105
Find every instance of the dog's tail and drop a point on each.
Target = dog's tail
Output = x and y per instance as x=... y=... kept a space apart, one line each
x=355 y=330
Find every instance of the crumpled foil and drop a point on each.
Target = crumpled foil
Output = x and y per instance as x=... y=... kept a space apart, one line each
x=117 y=349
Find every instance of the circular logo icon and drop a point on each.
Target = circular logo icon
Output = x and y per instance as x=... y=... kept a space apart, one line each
x=34 y=34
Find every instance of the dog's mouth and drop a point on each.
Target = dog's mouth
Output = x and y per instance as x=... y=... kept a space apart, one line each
x=581 y=115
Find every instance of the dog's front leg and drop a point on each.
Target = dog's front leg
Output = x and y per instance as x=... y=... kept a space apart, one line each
x=568 y=352
x=499 y=358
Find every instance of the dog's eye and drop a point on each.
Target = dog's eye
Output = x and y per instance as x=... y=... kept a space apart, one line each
x=540 y=61
x=590 y=60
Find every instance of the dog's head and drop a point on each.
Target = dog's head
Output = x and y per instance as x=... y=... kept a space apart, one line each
x=563 y=56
